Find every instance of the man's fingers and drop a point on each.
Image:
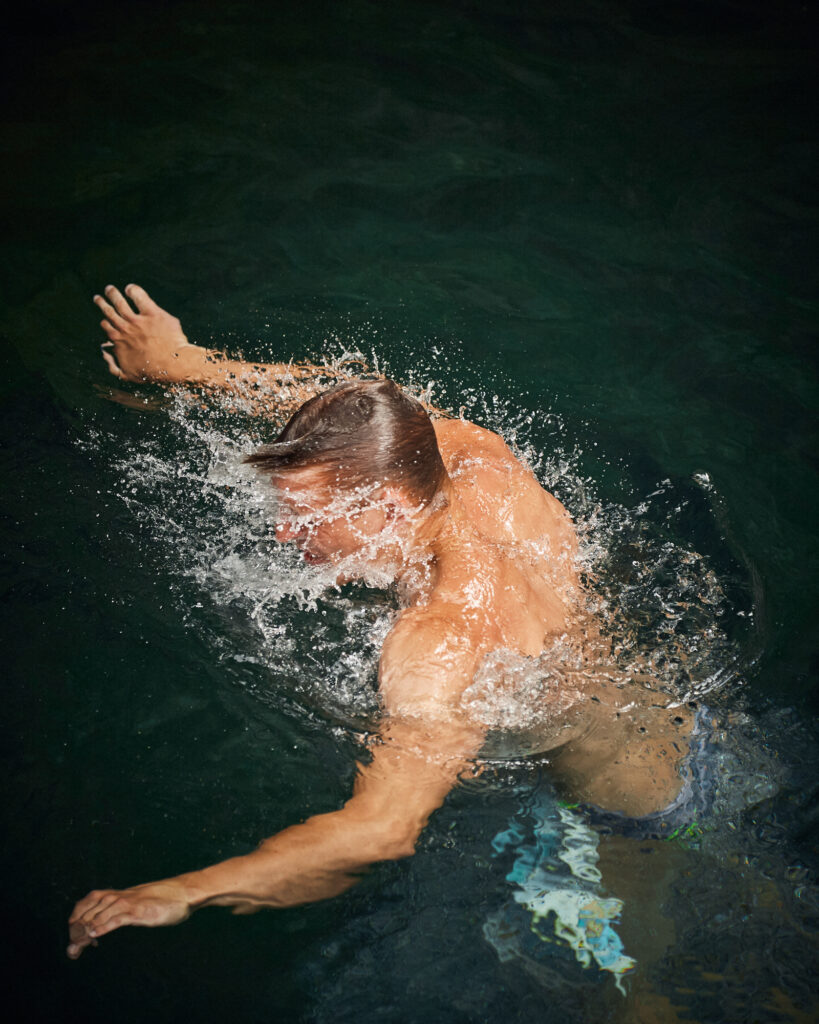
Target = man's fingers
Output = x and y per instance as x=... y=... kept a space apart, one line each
x=110 y=924
x=115 y=907
x=75 y=948
x=112 y=364
x=78 y=933
x=99 y=911
x=90 y=913
x=113 y=332
x=82 y=906
x=109 y=311
x=119 y=302
x=121 y=910
x=141 y=299
x=79 y=937
x=97 y=914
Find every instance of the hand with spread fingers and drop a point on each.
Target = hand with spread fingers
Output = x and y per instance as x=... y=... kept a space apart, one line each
x=147 y=343
x=105 y=910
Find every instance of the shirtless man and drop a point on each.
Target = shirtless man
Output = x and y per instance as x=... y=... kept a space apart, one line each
x=484 y=561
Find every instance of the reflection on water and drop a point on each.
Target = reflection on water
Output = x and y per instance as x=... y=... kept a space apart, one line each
x=583 y=917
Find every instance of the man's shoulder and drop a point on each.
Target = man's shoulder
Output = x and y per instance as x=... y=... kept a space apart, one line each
x=442 y=615
x=463 y=444
x=447 y=622
x=486 y=473
x=455 y=433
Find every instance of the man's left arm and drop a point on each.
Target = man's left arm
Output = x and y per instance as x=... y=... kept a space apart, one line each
x=417 y=758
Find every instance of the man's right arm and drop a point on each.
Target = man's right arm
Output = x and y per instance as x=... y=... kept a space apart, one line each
x=148 y=344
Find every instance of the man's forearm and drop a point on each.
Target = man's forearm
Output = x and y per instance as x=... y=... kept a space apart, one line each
x=192 y=364
x=393 y=799
x=313 y=861
x=149 y=344
x=407 y=778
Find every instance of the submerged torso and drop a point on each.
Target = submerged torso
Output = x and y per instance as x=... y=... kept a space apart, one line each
x=522 y=570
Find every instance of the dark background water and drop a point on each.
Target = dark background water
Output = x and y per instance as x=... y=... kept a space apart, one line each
x=603 y=210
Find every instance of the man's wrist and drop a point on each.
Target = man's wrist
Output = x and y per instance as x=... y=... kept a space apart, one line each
x=226 y=883
x=195 y=887
x=192 y=363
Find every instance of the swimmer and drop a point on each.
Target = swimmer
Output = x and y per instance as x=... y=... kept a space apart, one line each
x=483 y=557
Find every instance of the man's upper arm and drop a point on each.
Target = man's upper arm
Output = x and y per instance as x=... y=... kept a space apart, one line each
x=423 y=744
x=428 y=660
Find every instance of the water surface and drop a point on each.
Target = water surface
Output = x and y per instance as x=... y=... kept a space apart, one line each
x=593 y=227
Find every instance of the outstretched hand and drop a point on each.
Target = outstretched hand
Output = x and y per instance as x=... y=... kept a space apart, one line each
x=147 y=343
x=104 y=910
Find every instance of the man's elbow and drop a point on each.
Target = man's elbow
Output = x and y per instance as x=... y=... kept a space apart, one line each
x=394 y=840
x=403 y=846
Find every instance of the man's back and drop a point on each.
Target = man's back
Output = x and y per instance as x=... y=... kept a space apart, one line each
x=531 y=539
x=504 y=500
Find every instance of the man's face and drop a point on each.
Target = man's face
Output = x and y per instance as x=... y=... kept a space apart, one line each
x=328 y=523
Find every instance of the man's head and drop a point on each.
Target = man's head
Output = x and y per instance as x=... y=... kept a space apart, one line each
x=360 y=444
x=359 y=434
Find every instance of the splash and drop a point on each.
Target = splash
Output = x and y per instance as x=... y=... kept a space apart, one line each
x=664 y=609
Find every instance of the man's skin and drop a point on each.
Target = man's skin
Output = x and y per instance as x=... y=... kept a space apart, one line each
x=488 y=565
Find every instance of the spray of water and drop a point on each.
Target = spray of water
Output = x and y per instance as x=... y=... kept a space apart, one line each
x=664 y=611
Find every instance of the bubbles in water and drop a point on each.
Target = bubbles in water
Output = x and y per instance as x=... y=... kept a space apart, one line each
x=666 y=612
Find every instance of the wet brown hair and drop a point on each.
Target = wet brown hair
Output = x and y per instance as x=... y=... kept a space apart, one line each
x=360 y=433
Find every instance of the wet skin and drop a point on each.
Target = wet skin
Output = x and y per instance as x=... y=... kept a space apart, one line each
x=488 y=565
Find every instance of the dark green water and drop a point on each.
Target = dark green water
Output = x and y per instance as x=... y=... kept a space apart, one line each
x=594 y=225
